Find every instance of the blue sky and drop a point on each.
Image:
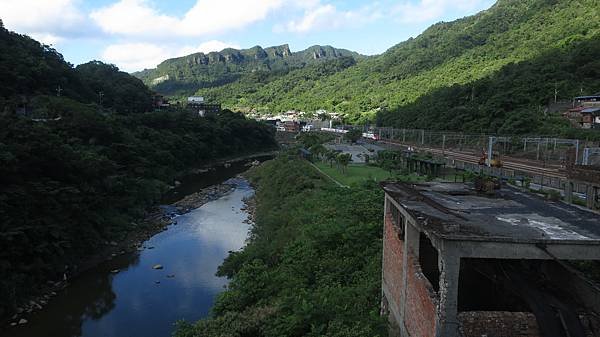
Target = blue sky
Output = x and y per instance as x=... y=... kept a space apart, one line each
x=138 y=34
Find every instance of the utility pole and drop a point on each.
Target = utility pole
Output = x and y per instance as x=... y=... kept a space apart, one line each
x=443 y=145
x=101 y=95
x=555 y=92
x=58 y=91
x=491 y=142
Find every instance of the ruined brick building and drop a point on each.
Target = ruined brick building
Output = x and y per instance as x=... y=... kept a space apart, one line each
x=460 y=263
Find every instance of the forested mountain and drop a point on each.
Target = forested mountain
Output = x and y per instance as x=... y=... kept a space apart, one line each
x=185 y=75
x=494 y=71
x=31 y=71
x=74 y=173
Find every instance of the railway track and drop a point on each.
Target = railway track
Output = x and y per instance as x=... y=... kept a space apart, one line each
x=554 y=171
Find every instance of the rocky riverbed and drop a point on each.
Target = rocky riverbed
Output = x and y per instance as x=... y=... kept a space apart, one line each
x=250 y=208
x=200 y=198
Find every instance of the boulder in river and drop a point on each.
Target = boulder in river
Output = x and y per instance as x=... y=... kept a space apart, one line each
x=22 y=321
x=157 y=266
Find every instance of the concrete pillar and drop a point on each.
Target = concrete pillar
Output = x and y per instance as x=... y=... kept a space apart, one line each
x=449 y=263
x=443 y=144
x=569 y=191
x=590 y=196
x=592 y=192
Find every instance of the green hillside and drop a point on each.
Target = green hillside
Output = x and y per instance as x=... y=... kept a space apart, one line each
x=506 y=59
x=185 y=75
x=31 y=72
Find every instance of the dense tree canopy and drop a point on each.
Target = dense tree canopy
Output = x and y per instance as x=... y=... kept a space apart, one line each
x=120 y=91
x=75 y=174
x=513 y=100
x=29 y=69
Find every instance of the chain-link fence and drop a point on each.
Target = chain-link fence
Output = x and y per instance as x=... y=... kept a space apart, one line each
x=549 y=151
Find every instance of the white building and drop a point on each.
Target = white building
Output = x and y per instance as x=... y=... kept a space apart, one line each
x=195 y=99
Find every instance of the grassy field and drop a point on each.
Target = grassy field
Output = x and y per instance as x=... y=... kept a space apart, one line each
x=354 y=174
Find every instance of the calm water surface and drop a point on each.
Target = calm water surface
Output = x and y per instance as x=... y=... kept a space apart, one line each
x=141 y=301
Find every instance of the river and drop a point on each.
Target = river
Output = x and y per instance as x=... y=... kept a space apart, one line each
x=141 y=301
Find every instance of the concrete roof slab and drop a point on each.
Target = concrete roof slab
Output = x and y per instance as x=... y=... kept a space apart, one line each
x=452 y=211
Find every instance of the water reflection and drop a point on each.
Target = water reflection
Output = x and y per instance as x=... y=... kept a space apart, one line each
x=89 y=298
x=142 y=301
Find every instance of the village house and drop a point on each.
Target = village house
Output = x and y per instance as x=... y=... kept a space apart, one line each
x=159 y=101
x=202 y=108
x=586 y=111
x=587 y=101
x=291 y=126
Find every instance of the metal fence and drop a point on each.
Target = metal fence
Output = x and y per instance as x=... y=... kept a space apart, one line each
x=548 y=150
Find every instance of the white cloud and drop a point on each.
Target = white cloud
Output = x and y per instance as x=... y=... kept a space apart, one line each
x=138 y=56
x=429 y=10
x=327 y=16
x=47 y=38
x=138 y=17
x=46 y=20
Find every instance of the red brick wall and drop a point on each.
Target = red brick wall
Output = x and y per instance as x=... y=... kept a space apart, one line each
x=498 y=324
x=421 y=302
x=393 y=254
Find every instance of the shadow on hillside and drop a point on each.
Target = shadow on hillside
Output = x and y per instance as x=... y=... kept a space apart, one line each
x=512 y=100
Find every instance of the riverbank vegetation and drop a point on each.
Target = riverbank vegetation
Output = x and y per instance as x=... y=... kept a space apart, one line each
x=75 y=174
x=312 y=265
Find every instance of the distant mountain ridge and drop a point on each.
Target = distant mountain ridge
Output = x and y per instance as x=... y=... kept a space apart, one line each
x=493 y=71
x=185 y=75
